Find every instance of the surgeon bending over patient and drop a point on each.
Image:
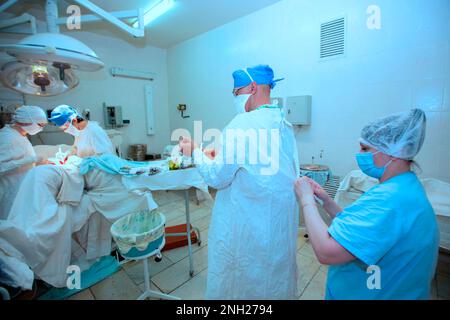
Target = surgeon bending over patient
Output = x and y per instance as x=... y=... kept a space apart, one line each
x=17 y=155
x=385 y=245
x=90 y=138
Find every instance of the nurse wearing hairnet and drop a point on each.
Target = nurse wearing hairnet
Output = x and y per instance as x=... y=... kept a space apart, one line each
x=17 y=155
x=252 y=238
x=385 y=245
x=90 y=138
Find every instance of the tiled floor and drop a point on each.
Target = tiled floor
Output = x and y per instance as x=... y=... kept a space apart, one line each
x=171 y=275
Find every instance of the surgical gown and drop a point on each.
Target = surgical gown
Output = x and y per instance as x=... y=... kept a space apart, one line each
x=253 y=233
x=17 y=156
x=391 y=228
x=92 y=141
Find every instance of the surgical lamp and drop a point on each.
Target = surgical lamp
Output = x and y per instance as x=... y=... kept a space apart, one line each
x=45 y=62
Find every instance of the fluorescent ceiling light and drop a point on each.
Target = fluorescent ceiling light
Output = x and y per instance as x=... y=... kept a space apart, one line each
x=155 y=11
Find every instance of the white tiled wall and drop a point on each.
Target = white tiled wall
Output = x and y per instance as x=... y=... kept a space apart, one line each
x=406 y=64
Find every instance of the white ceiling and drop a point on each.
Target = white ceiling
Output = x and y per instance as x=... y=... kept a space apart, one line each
x=187 y=19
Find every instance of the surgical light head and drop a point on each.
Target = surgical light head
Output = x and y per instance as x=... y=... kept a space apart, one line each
x=39 y=79
x=44 y=64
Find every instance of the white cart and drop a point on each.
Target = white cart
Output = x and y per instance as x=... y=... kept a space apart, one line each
x=174 y=180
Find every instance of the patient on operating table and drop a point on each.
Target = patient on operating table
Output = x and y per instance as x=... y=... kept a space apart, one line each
x=61 y=217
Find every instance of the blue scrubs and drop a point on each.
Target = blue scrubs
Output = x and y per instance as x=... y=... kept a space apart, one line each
x=393 y=227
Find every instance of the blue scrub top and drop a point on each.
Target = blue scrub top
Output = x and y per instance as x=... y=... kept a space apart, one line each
x=393 y=227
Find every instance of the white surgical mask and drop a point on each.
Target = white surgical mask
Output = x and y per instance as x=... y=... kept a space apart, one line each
x=72 y=130
x=32 y=129
x=240 y=101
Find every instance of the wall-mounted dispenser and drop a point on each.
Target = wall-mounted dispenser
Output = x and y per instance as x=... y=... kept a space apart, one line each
x=298 y=110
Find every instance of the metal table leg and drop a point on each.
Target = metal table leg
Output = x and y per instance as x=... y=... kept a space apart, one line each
x=188 y=233
x=188 y=226
x=151 y=293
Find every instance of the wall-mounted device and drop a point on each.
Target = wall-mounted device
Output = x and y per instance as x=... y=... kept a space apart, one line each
x=133 y=74
x=182 y=108
x=113 y=116
x=298 y=110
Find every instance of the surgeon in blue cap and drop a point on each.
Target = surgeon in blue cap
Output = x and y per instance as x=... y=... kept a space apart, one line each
x=252 y=87
x=252 y=238
x=90 y=138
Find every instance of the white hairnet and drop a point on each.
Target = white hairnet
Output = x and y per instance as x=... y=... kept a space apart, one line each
x=400 y=135
x=30 y=114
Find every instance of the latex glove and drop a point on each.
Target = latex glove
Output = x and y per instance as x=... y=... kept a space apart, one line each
x=61 y=156
x=318 y=190
x=304 y=191
x=210 y=153
x=187 y=146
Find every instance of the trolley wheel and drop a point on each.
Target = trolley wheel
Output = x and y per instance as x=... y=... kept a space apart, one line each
x=199 y=243
x=158 y=258
x=191 y=273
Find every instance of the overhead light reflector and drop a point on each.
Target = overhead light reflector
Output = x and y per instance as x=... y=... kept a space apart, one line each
x=54 y=47
x=40 y=80
x=44 y=64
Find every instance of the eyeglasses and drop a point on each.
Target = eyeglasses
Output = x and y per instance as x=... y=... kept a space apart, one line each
x=237 y=91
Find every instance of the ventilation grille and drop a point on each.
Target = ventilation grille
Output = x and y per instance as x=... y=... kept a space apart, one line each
x=332 y=38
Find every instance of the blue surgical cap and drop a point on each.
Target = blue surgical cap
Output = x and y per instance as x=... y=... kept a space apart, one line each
x=261 y=74
x=63 y=113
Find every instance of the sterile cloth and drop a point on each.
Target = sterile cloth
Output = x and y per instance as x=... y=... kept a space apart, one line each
x=54 y=221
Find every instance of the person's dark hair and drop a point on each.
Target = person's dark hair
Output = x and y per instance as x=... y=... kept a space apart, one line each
x=79 y=119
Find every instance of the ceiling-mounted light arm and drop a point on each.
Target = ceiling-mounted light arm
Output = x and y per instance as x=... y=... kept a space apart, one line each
x=7 y=4
x=12 y=22
x=51 y=12
x=89 y=18
x=137 y=31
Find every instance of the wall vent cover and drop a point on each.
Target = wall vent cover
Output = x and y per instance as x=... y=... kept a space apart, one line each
x=332 y=38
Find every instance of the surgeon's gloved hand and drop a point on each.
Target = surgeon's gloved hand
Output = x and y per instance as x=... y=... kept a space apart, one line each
x=210 y=153
x=319 y=192
x=304 y=191
x=187 y=146
x=61 y=155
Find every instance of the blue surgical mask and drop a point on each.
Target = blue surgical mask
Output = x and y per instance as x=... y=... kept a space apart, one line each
x=367 y=165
